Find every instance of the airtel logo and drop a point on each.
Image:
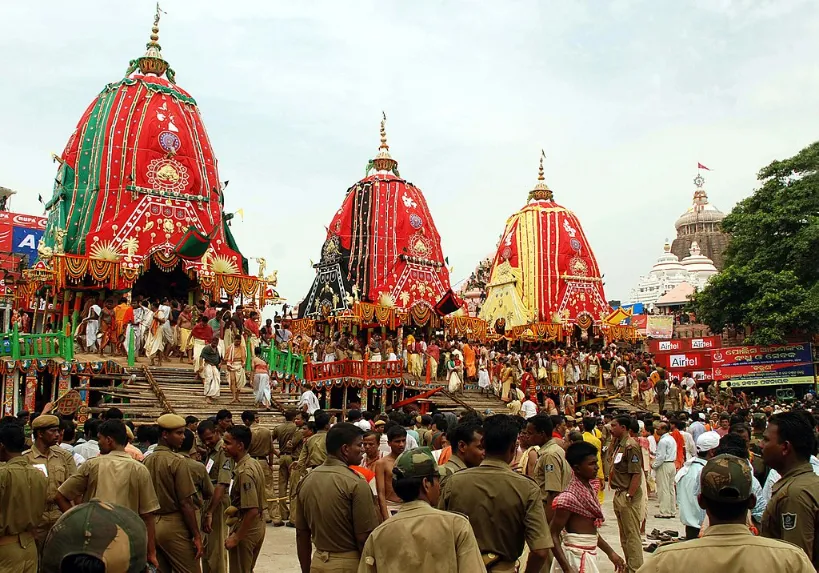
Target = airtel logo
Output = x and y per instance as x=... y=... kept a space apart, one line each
x=681 y=361
x=700 y=343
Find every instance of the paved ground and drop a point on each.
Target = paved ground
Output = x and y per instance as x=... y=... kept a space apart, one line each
x=279 y=552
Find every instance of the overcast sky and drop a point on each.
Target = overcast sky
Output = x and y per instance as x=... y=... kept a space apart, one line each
x=625 y=97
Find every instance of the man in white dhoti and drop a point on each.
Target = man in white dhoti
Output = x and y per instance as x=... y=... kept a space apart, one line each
x=210 y=359
x=578 y=516
x=155 y=341
x=92 y=327
x=308 y=402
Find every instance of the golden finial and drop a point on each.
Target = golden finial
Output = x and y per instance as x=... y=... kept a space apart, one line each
x=384 y=132
x=541 y=191
x=152 y=62
x=383 y=160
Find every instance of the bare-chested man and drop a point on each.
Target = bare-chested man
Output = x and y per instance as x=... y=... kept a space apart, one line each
x=388 y=502
x=371 y=453
x=578 y=511
x=107 y=326
x=184 y=324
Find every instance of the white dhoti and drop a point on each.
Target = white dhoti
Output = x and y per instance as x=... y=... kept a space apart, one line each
x=455 y=382
x=261 y=388
x=580 y=550
x=211 y=378
x=483 y=378
x=236 y=373
x=91 y=329
x=154 y=343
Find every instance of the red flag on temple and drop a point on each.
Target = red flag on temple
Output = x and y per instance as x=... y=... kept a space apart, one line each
x=701 y=166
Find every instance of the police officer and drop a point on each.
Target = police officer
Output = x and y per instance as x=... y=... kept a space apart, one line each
x=726 y=495
x=791 y=514
x=57 y=465
x=314 y=450
x=334 y=507
x=261 y=450
x=114 y=477
x=419 y=537
x=22 y=499
x=466 y=439
x=199 y=475
x=284 y=434
x=178 y=540
x=625 y=477
x=248 y=497
x=552 y=472
x=220 y=470
x=503 y=507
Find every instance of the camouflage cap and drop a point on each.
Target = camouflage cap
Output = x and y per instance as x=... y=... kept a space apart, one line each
x=417 y=462
x=726 y=478
x=113 y=534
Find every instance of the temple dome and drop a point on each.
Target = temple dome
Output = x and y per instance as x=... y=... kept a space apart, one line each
x=698 y=264
x=701 y=210
x=138 y=180
x=382 y=246
x=544 y=269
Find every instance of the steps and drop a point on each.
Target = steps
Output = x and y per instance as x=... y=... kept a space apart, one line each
x=153 y=391
x=470 y=398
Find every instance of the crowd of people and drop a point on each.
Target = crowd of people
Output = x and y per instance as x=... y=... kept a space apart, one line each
x=406 y=491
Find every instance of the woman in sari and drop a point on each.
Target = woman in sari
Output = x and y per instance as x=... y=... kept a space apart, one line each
x=155 y=342
x=235 y=357
x=261 y=381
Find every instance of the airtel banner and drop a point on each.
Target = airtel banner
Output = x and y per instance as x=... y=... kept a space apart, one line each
x=684 y=344
x=681 y=361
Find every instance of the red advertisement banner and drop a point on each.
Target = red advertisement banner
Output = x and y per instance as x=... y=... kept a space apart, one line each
x=684 y=344
x=684 y=361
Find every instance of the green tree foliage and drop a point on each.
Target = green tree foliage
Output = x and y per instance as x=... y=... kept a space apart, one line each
x=770 y=282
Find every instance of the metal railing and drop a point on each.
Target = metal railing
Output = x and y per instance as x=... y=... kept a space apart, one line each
x=22 y=346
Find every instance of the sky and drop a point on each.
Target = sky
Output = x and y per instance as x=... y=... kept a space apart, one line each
x=625 y=98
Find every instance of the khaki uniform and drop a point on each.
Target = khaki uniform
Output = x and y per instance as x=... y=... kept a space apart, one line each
x=420 y=538
x=114 y=478
x=552 y=472
x=201 y=481
x=173 y=484
x=22 y=503
x=728 y=548
x=504 y=508
x=335 y=504
x=626 y=460
x=59 y=466
x=261 y=447
x=793 y=511
x=220 y=472
x=284 y=434
x=248 y=492
x=296 y=474
x=452 y=466
x=314 y=451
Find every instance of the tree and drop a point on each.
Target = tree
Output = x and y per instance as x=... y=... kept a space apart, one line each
x=770 y=282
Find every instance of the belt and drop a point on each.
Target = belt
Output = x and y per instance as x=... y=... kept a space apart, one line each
x=259 y=457
x=345 y=554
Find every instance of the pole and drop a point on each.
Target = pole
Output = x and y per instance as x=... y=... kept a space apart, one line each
x=131 y=357
x=66 y=301
x=77 y=308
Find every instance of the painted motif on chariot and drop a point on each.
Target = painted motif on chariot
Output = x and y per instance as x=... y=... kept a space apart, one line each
x=415 y=221
x=168 y=175
x=332 y=250
x=569 y=229
x=420 y=245
x=169 y=141
x=575 y=244
x=579 y=267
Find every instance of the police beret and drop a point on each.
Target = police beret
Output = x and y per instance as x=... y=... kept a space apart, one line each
x=45 y=421
x=170 y=422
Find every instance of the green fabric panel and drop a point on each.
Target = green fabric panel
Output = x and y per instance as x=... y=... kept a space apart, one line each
x=192 y=245
x=232 y=244
x=89 y=157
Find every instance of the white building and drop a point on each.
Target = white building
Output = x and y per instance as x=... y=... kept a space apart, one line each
x=669 y=272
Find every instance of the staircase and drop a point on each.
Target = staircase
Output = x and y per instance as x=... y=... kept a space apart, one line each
x=153 y=391
x=470 y=398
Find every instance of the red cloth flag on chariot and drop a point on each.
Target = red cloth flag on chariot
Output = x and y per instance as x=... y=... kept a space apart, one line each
x=701 y=166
